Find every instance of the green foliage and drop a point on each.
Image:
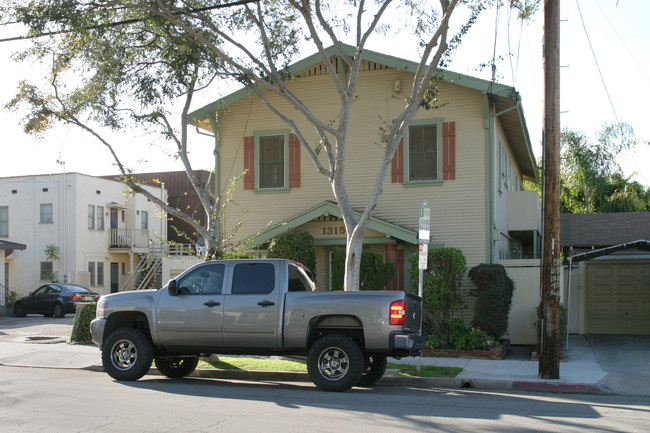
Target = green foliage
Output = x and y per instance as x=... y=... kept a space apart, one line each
x=374 y=272
x=10 y=299
x=81 y=326
x=455 y=335
x=443 y=296
x=296 y=245
x=52 y=252
x=53 y=277
x=493 y=299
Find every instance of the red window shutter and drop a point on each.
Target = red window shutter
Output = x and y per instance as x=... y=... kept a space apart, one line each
x=397 y=165
x=249 y=162
x=449 y=150
x=294 y=161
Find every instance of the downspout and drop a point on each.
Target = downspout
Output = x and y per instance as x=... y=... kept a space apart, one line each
x=568 y=305
x=489 y=179
x=217 y=153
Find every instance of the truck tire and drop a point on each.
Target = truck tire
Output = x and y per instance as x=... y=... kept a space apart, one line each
x=335 y=363
x=374 y=370
x=175 y=368
x=127 y=354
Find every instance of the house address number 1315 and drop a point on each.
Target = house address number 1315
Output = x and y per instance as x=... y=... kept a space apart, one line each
x=332 y=231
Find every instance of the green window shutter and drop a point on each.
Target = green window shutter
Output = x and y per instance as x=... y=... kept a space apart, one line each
x=249 y=162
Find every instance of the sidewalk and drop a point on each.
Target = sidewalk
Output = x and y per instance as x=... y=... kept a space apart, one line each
x=580 y=373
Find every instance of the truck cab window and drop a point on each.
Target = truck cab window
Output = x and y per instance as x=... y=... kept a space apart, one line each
x=203 y=280
x=253 y=278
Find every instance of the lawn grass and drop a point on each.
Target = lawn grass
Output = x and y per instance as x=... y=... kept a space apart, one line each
x=269 y=364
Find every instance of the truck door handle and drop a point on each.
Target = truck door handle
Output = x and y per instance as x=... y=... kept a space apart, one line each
x=212 y=304
x=265 y=303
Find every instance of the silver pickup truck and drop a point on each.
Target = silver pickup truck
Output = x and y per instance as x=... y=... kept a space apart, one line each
x=257 y=307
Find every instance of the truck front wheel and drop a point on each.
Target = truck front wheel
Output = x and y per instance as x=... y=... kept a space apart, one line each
x=335 y=363
x=127 y=354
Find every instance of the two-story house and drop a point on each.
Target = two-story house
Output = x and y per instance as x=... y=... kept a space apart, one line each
x=466 y=159
x=97 y=232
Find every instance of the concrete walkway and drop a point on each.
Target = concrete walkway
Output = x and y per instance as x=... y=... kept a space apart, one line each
x=608 y=368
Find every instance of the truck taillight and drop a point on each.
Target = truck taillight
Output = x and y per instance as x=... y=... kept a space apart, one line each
x=397 y=312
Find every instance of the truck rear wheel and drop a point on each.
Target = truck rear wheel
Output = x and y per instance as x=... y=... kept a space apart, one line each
x=335 y=363
x=176 y=367
x=127 y=354
x=374 y=370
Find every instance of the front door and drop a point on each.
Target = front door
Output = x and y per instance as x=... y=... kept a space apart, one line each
x=115 y=277
x=193 y=318
x=252 y=310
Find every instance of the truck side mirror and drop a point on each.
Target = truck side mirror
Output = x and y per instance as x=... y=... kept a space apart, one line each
x=172 y=287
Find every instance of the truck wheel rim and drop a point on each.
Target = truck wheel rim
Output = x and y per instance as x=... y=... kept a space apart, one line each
x=333 y=363
x=124 y=354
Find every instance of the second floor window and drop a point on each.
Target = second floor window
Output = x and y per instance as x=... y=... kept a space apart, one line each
x=100 y=217
x=91 y=216
x=46 y=213
x=271 y=161
x=423 y=152
x=4 y=221
x=144 y=220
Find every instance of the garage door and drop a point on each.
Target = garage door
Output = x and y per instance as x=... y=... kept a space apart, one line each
x=618 y=298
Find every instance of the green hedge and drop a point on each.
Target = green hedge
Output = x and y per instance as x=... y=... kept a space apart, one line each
x=375 y=274
x=81 y=326
x=296 y=245
x=494 y=291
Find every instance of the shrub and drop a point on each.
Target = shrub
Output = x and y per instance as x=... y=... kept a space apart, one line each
x=10 y=299
x=455 y=335
x=493 y=299
x=81 y=326
x=296 y=245
x=443 y=296
x=374 y=272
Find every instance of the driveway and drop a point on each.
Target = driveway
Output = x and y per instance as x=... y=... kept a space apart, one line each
x=35 y=329
x=626 y=358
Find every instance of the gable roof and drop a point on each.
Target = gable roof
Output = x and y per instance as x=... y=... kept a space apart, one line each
x=603 y=229
x=507 y=100
x=328 y=208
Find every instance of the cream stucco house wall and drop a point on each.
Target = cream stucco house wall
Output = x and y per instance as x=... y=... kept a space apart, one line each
x=101 y=232
x=482 y=153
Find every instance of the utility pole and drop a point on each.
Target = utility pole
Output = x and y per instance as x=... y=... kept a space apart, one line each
x=549 y=360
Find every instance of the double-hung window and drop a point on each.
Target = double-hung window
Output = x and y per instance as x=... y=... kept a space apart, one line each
x=423 y=151
x=4 y=221
x=272 y=163
x=91 y=217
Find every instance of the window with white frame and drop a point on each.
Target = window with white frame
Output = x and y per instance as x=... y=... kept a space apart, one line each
x=46 y=213
x=423 y=149
x=91 y=217
x=100 y=217
x=144 y=220
x=4 y=221
x=91 y=271
x=100 y=273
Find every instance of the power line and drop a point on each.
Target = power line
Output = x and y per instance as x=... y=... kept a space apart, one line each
x=596 y=60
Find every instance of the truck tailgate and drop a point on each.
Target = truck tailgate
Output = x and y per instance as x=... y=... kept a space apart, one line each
x=413 y=312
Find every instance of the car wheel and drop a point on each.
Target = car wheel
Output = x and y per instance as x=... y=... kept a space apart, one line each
x=127 y=354
x=19 y=310
x=335 y=363
x=58 y=311
x=176 y=367
x=374 y=370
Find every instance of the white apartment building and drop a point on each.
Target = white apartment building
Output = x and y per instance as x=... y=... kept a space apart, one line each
x=100 y=231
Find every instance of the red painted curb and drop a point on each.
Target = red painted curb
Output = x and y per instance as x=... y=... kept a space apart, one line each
x=588 y=388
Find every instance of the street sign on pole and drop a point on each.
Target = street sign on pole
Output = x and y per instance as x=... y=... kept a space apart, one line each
x=423 y=256
x=424 y=234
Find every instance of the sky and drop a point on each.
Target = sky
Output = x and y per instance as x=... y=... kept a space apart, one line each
x=605 y=77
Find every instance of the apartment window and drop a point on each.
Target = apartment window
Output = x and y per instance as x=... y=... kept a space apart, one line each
x=271 y=161
x=91 y=217
x=100 y=217
x=423 y=150
x=144 y=220
x=91 y=271
x=4 y=221
x=46 y=270
x=46 y=213
x=100 y=273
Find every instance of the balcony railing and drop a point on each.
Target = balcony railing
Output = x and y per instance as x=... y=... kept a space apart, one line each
x=128 y=238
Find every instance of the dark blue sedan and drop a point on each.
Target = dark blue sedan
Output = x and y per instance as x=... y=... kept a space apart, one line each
x=53 y=300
